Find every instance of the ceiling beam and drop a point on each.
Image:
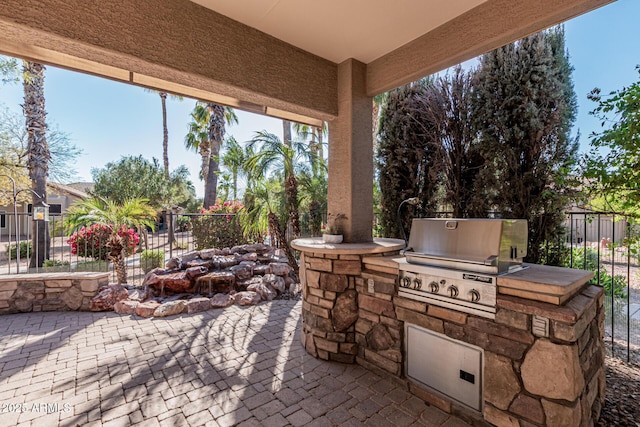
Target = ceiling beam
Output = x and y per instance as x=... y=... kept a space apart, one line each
x=175 y=41
x=488 y=26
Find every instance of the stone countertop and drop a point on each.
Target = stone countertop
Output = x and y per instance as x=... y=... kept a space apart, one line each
x=545 y=283
x=389 y=261
x=378 y=245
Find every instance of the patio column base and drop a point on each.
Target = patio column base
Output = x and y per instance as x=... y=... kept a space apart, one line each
x=333 y=287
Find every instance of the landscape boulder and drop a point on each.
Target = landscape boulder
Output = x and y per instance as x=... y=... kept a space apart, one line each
x=137 y=294
x=261 y=269
x=226 y=261
x=126 y=306
x=196 y=305
x=218 y=281
x=276 y=282
x=242 y=272
x=247 y=298
x=222 y=300
x=195 y=272
x=249 y=257
x=108 y=297
x=147 y=308
x=170 y=308
x=267 y=293
x=280 y=268
x=172 y=282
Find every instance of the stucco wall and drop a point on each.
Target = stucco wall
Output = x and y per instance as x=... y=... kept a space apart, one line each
x=178 y=41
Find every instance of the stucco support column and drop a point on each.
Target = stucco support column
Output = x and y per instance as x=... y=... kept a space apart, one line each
x=351 y=155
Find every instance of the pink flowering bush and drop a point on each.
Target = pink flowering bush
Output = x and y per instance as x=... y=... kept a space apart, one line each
x=228 y=207
x=91 y=242
x=218 y=226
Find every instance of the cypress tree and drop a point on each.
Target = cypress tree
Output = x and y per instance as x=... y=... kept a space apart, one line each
x=523 y=106
x=405 y=156
x=447 y=106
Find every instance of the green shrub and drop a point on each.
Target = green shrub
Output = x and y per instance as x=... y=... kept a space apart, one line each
x=150 y=259
x=584 y=260
x=54 y=263
x=25 y=249
x=218 y=227
x=180 y=245
x=56 y=227
x=634 y=248
x=92 y=266
x=587 y=259
x=183 y=223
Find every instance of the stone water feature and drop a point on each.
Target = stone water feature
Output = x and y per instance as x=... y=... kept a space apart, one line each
x=201 y=280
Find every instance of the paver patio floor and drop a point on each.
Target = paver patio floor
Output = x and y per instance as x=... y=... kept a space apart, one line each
x=237 y=366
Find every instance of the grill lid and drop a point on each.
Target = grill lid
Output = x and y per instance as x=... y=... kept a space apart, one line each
x=483 y=245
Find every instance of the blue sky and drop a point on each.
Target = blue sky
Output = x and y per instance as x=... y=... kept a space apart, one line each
x=109 y=120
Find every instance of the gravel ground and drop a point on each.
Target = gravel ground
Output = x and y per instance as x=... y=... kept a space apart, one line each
x=622 y=406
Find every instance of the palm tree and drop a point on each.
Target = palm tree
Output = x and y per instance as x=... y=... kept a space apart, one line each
x=286 y=132
x=165 y=134
x=233 y=160
x=260 y=213
x=197 y=139
x=39 y=156
x=165 y=130
x=134 y=213
x=206 y=133
x=316 y=134
x=274 y=154
x=314 y=194
x=165 y=155
x=261 y=200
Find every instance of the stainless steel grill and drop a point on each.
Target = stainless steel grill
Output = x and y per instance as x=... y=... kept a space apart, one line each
x=482 y=245
x=454 y=263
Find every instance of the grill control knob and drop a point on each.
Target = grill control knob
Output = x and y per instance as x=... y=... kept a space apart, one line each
x=453 y=291
x=406 y=282
x=417 y=283
x=433 y=287
x=474 y=296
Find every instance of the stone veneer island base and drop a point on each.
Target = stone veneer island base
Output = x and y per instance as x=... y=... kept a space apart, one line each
x=543 y=355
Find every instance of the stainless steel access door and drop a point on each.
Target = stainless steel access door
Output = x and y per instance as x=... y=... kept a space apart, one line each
x=450 y=367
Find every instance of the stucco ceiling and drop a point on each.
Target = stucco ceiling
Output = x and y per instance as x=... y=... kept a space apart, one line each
x=341 y=29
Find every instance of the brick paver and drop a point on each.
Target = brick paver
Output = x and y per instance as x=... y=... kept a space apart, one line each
x=237 y=366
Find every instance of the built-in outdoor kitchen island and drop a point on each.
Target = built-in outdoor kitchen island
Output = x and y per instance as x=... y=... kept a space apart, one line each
x=533 y=356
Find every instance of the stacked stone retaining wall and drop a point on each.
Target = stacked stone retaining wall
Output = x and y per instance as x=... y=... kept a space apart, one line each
x=21 y=293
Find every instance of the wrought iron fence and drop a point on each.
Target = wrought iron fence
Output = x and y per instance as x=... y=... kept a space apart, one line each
x=602 y=242
x=153 y=249
x=608 y=244
x=173 y=235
